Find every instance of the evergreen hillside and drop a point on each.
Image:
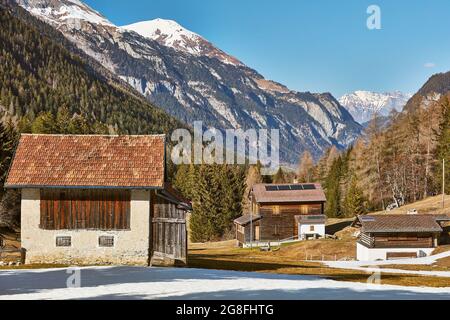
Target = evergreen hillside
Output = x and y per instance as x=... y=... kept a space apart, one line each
x=38 y=74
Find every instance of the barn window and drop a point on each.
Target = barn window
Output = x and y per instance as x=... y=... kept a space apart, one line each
x=276 y=210
x=311 y=228
x=106 y=241
x=64 y=241
x=85 y=209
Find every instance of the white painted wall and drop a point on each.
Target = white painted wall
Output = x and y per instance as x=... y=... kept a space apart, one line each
x=372 y=254
x=130 y=247
x=304 y=229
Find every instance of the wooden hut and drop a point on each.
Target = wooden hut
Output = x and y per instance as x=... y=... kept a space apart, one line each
x=283 y=212
x=384 y=237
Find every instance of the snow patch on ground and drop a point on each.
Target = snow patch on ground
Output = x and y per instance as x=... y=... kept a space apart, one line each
x=172 y=283
x=371 y=266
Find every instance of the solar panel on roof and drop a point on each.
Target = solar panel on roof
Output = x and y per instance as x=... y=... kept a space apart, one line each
x=296 y=187
x=367 y=219
x=309 y=187
x=284 y=188
x=314 y=217
x=271 y=188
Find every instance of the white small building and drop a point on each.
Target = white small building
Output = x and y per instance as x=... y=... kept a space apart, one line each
x=386 y=237
x=311 y=226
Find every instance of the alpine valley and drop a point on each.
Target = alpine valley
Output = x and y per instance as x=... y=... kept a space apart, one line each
x=193 y=80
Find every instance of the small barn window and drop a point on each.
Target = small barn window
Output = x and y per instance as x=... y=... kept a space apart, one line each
x=311 y=228
x=276 y=210
x=64 y=241
x=106 y=241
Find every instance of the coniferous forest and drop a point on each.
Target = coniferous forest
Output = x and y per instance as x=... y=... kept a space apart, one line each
x=39 y=77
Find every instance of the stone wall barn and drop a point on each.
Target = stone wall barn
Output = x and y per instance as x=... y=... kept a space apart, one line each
x=92 y=199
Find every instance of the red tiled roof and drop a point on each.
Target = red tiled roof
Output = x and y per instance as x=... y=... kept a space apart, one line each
x=398 y=223
x=88 y=161
x=262 y=195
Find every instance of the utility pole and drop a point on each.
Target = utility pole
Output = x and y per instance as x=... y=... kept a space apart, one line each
x=443 y=183
x=251 y=223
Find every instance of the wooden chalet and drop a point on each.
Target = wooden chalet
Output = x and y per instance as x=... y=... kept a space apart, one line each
x=384 y=237
x=98 y=200
x=283 y=212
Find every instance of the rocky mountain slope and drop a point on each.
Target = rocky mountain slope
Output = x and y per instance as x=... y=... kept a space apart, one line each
x=435 y=87
x=193 y=80
x=41 y=72
x=364 y=104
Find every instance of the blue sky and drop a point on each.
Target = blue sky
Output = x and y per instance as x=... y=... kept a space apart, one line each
x=317 y=46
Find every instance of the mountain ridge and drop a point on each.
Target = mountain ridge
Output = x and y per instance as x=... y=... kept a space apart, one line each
x=204 y=87
x=364 y=104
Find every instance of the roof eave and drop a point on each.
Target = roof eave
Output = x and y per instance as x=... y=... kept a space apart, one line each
x=291 y=201
x=401 y=231
x=10 y=186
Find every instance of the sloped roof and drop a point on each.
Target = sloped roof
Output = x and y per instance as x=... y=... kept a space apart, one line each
x=88 y=161
x=311 y=219
x=262 y=195
x=175 y=196
x=398 y=223
x=246 y=219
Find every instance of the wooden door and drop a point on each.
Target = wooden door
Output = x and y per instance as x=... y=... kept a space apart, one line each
x=295 y=229
x=257 y=233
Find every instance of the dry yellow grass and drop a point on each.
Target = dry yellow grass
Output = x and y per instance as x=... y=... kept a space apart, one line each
x=431 y=205
x=33 y=266
x=224 y=256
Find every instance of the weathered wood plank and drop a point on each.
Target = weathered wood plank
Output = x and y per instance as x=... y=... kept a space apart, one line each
x=85 y=209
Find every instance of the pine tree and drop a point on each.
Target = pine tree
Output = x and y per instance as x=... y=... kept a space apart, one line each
x=8 y=138
x=279 y=177
x=44 y=124
x=305 y=168
x=333 y=190
x=233 y=188
x=443 y=146
x=206 y=216
x=181 y=178
x=354 y=202
x=253 y=177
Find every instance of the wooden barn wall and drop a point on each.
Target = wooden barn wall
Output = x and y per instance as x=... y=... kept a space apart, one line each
x=85 y=209
x=412 y=240
x=168 y=228
x=282 y=225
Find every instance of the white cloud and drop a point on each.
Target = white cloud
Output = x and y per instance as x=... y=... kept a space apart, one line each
x=429 y=65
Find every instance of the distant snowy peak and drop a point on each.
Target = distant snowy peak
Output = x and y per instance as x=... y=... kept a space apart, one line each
x=169 y=33
x=61 y=11
x=364 y=104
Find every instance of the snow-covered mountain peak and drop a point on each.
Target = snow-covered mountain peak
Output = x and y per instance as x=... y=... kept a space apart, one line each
x=168 y=31
x=171 y=34
x=57 y=12
x=364 y=104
